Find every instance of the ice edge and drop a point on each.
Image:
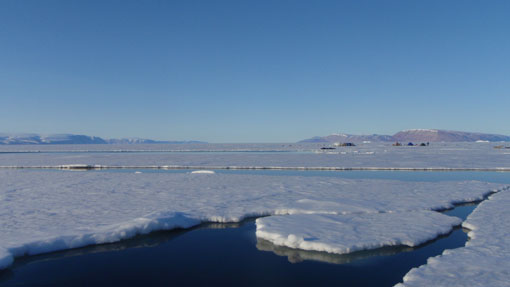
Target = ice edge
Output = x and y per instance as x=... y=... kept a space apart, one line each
x=144 y=225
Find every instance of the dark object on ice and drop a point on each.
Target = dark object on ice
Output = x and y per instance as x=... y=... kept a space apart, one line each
x=410 y=144
x=348 y=144
x=79 y=166
x=397 y=144
x=423 y=144
x=323 y=148
x=501 y=146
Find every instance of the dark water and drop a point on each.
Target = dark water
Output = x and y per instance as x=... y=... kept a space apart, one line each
x=221 y=254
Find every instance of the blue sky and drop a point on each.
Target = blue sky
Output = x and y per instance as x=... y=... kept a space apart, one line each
x=253 y=71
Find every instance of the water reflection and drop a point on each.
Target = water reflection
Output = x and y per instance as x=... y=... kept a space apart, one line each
x=151 y=240
x=297 y=255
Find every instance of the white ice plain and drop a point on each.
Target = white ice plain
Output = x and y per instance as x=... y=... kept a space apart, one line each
x=45 y=211
x=342 y=234
x=484 y=261
x=437 y=156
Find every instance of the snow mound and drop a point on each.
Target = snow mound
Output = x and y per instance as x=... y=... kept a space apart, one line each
x=343 y=234
x=203 y=172
x=485 y=259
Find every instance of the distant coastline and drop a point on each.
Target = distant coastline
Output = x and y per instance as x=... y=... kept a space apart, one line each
x=414 y=135
x=25 y=139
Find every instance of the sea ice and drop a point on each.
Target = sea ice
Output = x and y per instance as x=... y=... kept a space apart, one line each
x=484 y=261
x=44 y=211
x=342 y=234
x=377 y=155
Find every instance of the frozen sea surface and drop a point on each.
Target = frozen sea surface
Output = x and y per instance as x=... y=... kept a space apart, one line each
x=436 y=156
x=485 y=261
x=343 y=234
x=44 y=211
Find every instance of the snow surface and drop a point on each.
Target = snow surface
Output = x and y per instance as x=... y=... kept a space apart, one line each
x=375 y=155
x=44 y=211
x=343 y=234
x=484 y=261
x=421 y=130
x=203 y=172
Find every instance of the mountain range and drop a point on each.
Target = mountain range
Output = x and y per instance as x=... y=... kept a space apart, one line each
x=414 y=135
x=76 y=139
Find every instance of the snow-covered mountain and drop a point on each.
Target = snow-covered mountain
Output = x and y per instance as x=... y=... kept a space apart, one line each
x=76 y=139
x=147 y=141
x=348 y=138
x=446 y=136
x=414 y=135
x=49 y=139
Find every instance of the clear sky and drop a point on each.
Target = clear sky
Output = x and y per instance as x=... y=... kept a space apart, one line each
x=253 y=71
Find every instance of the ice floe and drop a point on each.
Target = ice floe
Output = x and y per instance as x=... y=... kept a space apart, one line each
x=484 y=261
x=44 y=211
x=342 y=234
